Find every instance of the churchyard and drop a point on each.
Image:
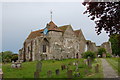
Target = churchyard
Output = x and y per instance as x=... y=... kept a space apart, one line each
x=68 y=68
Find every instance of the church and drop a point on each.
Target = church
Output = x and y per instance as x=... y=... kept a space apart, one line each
x=53 y=42
x=57 y=42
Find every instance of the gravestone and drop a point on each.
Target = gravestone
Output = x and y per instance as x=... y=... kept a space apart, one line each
x=13 y=62
x=57 y=71
x=85 y=61
x=18 y=65
x=67 y=67
x=89 y=62
x=69 y=74
x=49 y=73
x=39 y=66
x=74 y=63
x=13 y=65
x=36 y=75
x=63 y=67
x=97 y=68
x=76 y=69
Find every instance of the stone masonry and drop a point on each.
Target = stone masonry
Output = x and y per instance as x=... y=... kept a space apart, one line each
x=55 y=42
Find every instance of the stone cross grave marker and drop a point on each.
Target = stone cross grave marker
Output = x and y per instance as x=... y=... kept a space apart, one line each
x=97 y=68
x=57 y=71
x=49 y=73
x=39 y=66
x=69 y=74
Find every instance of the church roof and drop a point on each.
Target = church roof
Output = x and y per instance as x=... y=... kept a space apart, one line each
x=34 y=34
x=63 y=27
x=52 y=27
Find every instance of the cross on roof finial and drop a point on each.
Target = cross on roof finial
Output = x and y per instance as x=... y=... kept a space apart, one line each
x=51 y=14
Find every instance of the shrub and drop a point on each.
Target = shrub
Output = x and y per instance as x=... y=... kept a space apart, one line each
x=14 y=57
x=101 y=51
x=108 y=55
x=89 y=54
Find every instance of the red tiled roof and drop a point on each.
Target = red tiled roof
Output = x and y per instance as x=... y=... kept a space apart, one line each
x=34 y=34
x=53 y=27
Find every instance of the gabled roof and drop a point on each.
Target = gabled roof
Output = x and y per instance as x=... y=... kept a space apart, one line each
x=52 y=27
x=34 y=34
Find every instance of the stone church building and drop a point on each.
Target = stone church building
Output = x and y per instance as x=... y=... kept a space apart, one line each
x=55 y=42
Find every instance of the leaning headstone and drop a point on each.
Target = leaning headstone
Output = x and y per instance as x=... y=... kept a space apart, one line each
x=49 y=73
x=97 y=68
x=57 y=71
x=36 y=75
x=69 y=74
x=39 y=66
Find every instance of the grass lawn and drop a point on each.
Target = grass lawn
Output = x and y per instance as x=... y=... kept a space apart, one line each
x=93 y=74
x=28 y=69
x=114 y=62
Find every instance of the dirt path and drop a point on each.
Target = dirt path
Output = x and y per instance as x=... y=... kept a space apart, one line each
x=108 y=70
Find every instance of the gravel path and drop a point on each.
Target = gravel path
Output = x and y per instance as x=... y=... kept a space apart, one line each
x=107 y=70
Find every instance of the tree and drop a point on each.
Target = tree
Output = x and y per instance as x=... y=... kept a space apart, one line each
x=101 y=51
x=89 y=54
x=114 y=39
x=14 y=57
x=105 y=14
x=6 y=56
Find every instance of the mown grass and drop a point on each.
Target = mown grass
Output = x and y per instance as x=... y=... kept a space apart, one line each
x=28 y=69
x=114 y=62
x=93 y=73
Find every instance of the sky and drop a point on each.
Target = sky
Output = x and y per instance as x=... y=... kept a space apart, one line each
x=18 y=19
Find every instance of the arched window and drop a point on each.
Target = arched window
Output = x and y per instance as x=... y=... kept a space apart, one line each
x=44 y=48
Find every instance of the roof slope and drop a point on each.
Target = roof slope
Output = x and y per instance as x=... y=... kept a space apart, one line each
x=34 y=34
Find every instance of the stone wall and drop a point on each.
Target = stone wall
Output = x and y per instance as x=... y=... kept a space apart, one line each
x=107 y=46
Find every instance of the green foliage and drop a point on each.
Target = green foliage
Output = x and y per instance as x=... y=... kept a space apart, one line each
x=114 y=39
x=89 y=54
x=7 y=56
x=101 y=51
x=108 y=55
x=14 y=57
x=105 y=15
